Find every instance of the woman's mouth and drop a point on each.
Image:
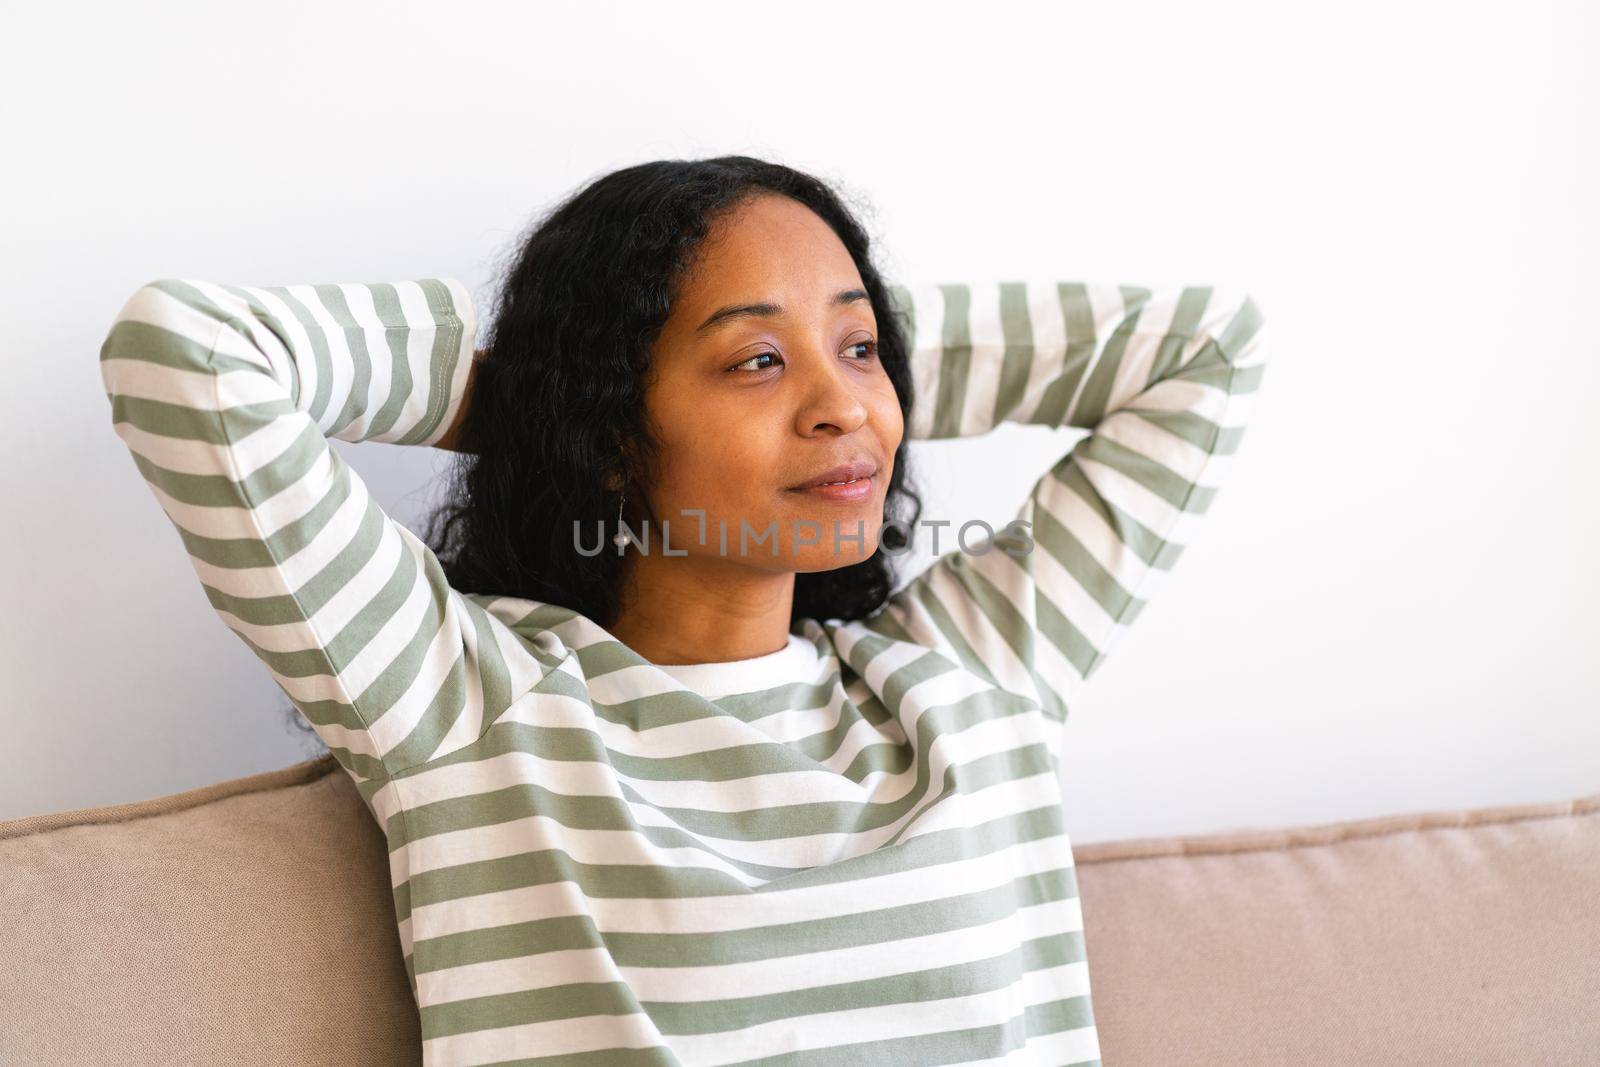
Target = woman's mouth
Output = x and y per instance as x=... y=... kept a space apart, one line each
x=841 y=492
x=843 y=482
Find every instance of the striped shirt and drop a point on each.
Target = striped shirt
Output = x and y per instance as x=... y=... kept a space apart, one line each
x=851 y=850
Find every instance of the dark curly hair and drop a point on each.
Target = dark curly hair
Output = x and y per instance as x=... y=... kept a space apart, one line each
x=557 y=406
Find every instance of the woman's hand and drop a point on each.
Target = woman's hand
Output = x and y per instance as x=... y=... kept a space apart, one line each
x=451 y=439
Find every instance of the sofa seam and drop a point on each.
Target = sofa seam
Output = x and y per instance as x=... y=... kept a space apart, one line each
x=290 y=777
x=1351 y=834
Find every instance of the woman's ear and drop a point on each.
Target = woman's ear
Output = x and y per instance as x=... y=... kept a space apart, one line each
x=617 y=476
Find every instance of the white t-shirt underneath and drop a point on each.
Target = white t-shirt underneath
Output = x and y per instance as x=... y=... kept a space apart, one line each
x=795 y=662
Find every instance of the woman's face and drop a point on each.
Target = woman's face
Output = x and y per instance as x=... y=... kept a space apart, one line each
x=765 y=378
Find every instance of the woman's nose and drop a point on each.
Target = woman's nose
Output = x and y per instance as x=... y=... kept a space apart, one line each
x=829 y=397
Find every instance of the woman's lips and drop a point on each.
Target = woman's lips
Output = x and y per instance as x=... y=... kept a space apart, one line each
x=840 y=492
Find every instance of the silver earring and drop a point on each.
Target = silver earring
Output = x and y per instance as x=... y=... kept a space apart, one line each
x=622 y=537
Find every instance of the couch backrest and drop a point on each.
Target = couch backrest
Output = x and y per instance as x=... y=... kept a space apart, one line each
x=1441 y=937
x=247 y=922
x=250 y=922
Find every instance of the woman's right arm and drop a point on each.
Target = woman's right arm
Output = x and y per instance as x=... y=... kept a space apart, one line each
x=225 y=397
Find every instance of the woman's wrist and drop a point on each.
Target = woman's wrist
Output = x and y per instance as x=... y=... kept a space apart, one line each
x=450 y=441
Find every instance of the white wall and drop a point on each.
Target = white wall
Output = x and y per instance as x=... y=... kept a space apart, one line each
x=1393 y=605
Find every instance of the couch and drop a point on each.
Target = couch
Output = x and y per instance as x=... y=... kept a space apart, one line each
x=248 y=923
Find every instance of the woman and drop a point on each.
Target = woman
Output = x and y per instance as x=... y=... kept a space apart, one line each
x=699 y=802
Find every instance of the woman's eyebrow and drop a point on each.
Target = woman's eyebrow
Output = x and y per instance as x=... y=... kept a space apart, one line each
x=767 y=310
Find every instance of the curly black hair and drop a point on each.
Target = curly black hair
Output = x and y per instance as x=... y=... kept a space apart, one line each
x=557 y=407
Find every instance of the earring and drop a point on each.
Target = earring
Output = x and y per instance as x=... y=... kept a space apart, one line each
x=622 y=537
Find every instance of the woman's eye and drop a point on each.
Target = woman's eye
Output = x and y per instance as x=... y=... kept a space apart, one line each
x=752 y=359
x=870 y=346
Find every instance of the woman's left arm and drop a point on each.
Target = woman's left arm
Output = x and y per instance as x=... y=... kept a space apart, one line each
x=1162 y=378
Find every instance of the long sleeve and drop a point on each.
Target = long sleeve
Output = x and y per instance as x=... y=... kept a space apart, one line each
x=225 y=396
x=1162 y=379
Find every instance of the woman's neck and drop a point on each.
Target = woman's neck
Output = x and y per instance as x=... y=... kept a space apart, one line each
x=702 y=609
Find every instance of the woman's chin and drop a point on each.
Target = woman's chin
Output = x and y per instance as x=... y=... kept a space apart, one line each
x=827 y=556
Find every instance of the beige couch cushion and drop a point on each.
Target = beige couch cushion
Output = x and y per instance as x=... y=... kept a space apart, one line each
x=249 y=922
x=1446 y=937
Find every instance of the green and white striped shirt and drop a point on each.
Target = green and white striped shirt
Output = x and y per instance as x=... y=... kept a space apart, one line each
x=848 y=851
